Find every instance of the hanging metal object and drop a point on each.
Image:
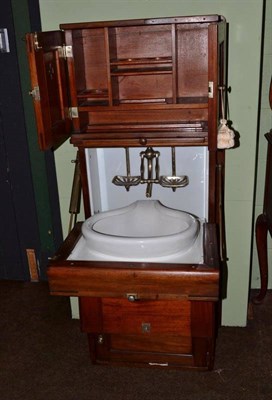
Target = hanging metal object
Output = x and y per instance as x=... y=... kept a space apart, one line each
x=126 y=180
x=174 y=181
x=153 y=173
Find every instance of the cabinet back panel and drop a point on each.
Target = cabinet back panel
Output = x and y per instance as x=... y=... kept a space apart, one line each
x=142 y=41
x=145 y=87
x=79 y=61
x=90 y=58
x=192 y=60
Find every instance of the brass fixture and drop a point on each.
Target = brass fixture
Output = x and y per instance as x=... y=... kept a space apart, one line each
x=126 y=180
x=150 y=155
x=174 y=181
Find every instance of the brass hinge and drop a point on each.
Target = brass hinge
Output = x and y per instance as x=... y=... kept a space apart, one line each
x=210 y=93
x=65 y=51
x=36 y=42
x=73 y=112
x=35 y=93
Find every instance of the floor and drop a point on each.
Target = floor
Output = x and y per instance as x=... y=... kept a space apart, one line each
x=43 y=355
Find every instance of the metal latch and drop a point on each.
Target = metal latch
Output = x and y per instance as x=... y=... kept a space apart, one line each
x=35 y=93
x=36 y=42
x=4 y=41
x=210 y=93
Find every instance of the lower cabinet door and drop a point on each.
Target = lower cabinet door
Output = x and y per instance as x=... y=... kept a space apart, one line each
x=149 y=332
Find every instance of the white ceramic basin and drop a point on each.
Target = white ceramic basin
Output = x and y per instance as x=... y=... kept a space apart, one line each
x=143 y=230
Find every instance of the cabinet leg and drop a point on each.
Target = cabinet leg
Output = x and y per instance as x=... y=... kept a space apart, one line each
x=203 y=333
x=261 y=230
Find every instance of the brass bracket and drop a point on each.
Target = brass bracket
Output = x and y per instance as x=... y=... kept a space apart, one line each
x=35 y=93
x=210 y=92
x=65 y=51
x=73 y=112
x=36 y=42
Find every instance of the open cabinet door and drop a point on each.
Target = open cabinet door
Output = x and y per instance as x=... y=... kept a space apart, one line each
x=48 y=70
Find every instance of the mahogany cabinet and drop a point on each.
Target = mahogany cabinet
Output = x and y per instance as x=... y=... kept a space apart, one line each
x=137 y=83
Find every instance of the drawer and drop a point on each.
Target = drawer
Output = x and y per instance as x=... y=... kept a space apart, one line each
x=111 y=315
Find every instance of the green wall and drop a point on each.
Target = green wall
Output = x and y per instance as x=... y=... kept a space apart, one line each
x=245 y=25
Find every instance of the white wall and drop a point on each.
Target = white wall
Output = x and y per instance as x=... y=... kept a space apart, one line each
x=245 y=22
x=191 y=162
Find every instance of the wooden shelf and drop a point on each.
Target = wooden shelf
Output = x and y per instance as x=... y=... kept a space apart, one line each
x=144 y=60
x=189 y=127
x=141 y=66
x=93 y=93
x=150 y=70
x=92 y=98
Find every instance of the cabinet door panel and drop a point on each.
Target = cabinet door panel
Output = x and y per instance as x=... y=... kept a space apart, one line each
x=49 y=81
x=175 y=344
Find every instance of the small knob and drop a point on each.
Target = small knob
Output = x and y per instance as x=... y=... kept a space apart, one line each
x=132 y=297
x=100 y=339
x=143 y=141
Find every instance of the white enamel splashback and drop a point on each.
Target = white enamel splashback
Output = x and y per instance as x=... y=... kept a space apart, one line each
x=104 y=164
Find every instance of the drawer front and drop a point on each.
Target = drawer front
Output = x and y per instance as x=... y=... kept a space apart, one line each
x=146 y=316
x=171 y=344
x=119 y=316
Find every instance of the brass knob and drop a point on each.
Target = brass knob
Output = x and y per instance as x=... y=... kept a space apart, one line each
x=132 y=297
x=143 y=141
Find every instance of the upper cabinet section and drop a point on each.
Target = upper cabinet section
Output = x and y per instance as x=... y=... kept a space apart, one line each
x=164 y=65
x=144 y=81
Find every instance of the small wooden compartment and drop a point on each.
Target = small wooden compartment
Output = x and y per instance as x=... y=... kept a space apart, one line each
x=144 y=76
